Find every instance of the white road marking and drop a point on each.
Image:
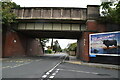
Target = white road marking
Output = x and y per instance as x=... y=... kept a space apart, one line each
x=16 y=65
x=64 y=58
x=50 y=71
x=47 y=73
x=54 y=67
x=58 y=69
x=44 y=76
x=51 y=77
x=54 y=74
x=80 y=71
x=6 y=67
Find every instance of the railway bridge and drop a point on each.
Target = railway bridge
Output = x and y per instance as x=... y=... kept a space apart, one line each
x=51 y=22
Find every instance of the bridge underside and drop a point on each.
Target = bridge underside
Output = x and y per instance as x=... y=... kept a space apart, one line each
x=52 y=34
x=51 y=29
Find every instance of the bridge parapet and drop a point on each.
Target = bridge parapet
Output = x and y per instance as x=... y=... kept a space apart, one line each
x=92 y=11
x=51 y=13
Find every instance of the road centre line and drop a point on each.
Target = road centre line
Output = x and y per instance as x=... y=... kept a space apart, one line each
x=64 y=58
x=48 y=73
x=56 y=71
x=57 y=64
x=54 y=67
x=54 y=74
x=44 y=76
x=51 y=76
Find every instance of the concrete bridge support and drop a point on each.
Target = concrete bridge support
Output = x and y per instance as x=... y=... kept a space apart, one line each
x=17 y=44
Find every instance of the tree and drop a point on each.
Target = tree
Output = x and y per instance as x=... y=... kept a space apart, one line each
x=7 y=16
x=72 y=47
x=52 y=44
x=56 y=46
x=111 y=11
x=43 y=42
x=6 y=11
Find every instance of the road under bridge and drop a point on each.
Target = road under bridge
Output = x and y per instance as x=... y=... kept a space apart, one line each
x=51 y=22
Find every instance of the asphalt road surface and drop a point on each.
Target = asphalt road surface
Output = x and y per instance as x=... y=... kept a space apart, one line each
x=52 y=67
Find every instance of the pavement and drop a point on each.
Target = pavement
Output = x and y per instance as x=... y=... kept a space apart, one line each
x=73 y=60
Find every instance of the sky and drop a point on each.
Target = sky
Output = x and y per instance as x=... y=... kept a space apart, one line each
x=63 y=42
x=58 y=3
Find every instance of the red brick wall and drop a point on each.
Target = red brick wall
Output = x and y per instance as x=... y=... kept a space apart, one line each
x=12 y=48
x=83 y=42
x=22 y=45
x=92 y=25
x=34 y=47
x=83 y=46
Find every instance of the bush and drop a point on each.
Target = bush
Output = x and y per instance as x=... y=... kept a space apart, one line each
x=49 y=51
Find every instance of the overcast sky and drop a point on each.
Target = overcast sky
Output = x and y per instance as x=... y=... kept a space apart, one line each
x=63 y=42
x=58 y=3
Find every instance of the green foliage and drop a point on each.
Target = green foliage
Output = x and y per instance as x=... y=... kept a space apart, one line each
x=72 y=47
x=44 y=41
x=7 y=13
x=111 y=12
x=49 y=51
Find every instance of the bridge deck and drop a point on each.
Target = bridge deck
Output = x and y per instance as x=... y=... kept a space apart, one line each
x=55 y=20
x=51 y=13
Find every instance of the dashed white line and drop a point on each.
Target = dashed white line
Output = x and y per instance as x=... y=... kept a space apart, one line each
x=56 y=71
x=44 y=76
x=51 y=77
x=47 y=73
x=50 y=71
x=55 y=66
x=54 y=74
